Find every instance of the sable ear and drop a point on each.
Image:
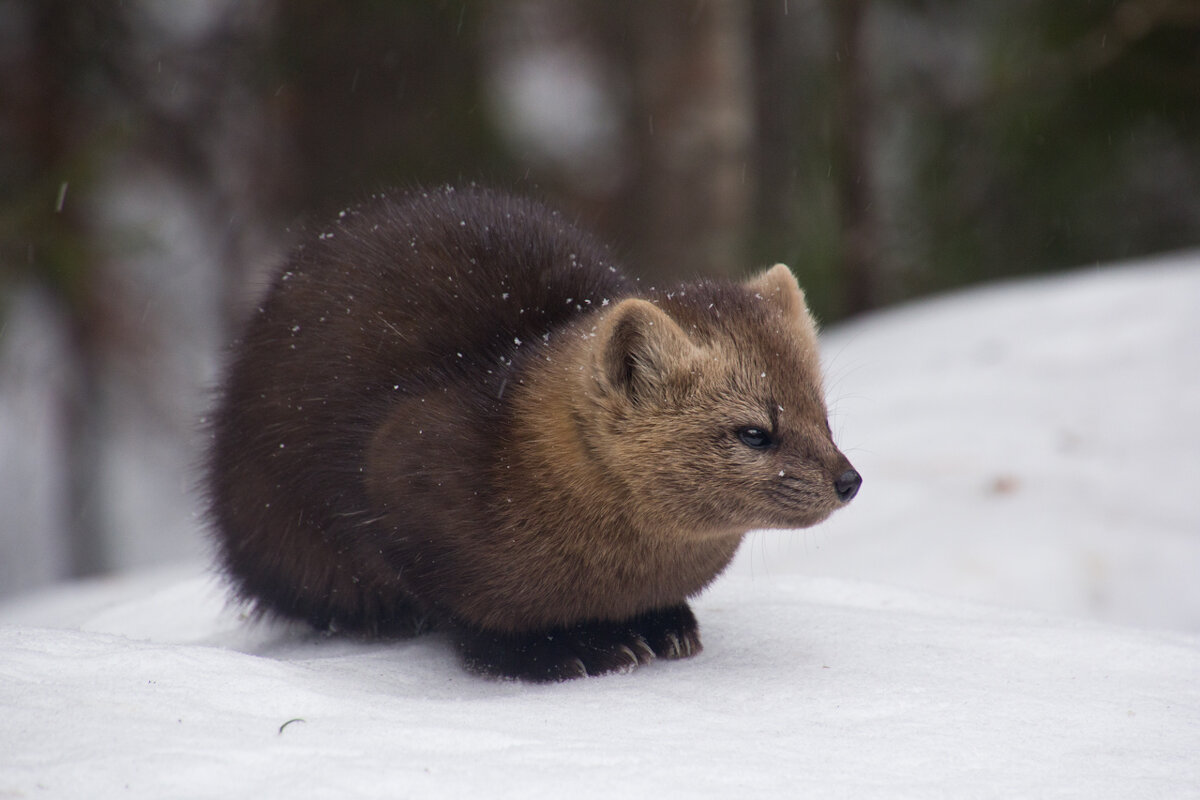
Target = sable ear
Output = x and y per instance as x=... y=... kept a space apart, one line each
x=778 y=286
x=639 y=345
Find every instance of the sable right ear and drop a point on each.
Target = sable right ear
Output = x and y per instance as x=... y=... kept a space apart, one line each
x=639 y=346
x=778 y=285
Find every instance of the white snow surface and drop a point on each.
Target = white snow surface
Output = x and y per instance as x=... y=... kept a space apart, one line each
x=1008 y=609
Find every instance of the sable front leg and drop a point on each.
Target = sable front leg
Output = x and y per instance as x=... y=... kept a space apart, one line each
x=587 y=648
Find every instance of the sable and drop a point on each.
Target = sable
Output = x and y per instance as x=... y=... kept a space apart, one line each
x=453 y=411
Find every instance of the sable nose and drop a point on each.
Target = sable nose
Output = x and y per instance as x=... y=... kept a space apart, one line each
x=847 y=485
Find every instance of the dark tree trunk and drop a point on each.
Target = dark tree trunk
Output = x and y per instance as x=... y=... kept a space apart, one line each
x=62 y=262
x=691 y=125
x=852 y=158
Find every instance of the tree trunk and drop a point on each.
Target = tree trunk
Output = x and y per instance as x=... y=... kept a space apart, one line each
x=62 y=261
x=854 y=176
x=692 y=123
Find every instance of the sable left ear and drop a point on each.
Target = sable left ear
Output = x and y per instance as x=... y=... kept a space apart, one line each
x=639 y=347
x=778 y=286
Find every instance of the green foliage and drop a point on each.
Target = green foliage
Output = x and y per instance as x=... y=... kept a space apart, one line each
x=1082 y=145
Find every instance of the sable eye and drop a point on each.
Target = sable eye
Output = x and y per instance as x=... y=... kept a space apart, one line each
x=755 y=437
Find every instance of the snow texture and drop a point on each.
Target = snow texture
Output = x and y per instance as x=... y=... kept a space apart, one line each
x=1005 y=611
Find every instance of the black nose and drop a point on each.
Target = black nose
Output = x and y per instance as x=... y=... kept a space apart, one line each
x=847 y=485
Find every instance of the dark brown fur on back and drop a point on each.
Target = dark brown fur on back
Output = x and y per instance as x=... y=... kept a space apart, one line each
x=451 y=408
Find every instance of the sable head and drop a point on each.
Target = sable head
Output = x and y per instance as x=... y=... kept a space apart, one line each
x=712 y=410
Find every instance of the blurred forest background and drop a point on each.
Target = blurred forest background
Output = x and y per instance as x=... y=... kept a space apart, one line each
x=157 y=157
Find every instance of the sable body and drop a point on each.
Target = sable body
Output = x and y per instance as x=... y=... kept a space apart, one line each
x=451 y=409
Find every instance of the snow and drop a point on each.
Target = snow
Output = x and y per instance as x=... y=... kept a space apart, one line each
x=1004 y=611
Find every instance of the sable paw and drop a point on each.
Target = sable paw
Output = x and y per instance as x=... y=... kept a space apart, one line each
x=670 y=632
x=589 y=648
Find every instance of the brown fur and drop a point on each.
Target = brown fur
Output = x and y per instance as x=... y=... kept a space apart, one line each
x=455 y=411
